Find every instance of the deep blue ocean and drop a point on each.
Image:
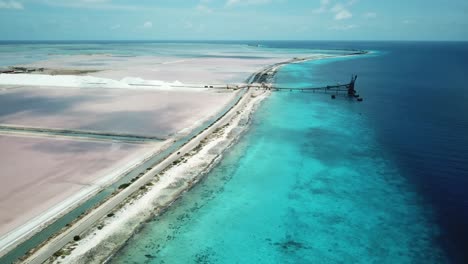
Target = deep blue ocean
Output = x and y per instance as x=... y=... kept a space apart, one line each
x=317 y=180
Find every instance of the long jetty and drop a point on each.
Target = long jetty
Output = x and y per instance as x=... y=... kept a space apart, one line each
x=262 y=80
x=348 y=88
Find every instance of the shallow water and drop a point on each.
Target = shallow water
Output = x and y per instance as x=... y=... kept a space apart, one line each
x=309 y=183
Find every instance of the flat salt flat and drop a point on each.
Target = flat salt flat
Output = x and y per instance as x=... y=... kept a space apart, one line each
x=187 y=64
x=196 y=70
x=40 y=173
x=170 y=69
x=150 y=112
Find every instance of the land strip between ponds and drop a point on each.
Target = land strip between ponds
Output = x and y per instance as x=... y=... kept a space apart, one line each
x=110 y=234
x=78 y=134
x=14 y=248
x=91 y=218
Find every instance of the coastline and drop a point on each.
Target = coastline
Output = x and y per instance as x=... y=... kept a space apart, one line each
x=217 y=143
x=107 y=236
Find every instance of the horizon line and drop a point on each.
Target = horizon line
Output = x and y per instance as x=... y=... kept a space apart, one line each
x=216 y=40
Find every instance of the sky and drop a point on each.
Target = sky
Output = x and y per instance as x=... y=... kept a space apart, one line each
x=234 y=20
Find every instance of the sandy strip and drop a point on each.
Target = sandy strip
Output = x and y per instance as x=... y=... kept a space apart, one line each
x=110 y=233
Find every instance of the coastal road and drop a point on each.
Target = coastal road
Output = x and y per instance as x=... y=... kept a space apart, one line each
x=84 y=224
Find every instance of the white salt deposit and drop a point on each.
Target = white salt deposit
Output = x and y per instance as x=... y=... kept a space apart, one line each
x=84 y=81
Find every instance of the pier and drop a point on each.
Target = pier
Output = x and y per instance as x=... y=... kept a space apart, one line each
x=344 y=89
x=347 y=89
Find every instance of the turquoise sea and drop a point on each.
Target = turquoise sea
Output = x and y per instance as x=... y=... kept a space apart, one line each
x=317 y=180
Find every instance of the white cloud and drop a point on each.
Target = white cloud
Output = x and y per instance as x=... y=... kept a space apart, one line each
x=94 y=4
x=343 y=27
x=408 y=21
x=93 y=1
x=370 y=15
x=114 y=27
x=148 y=24
x=198 y=28
x=11 y=4
x=246 y=2
x=203 y=9
x=323 y=7
x=188 y=25
x=341 y=12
